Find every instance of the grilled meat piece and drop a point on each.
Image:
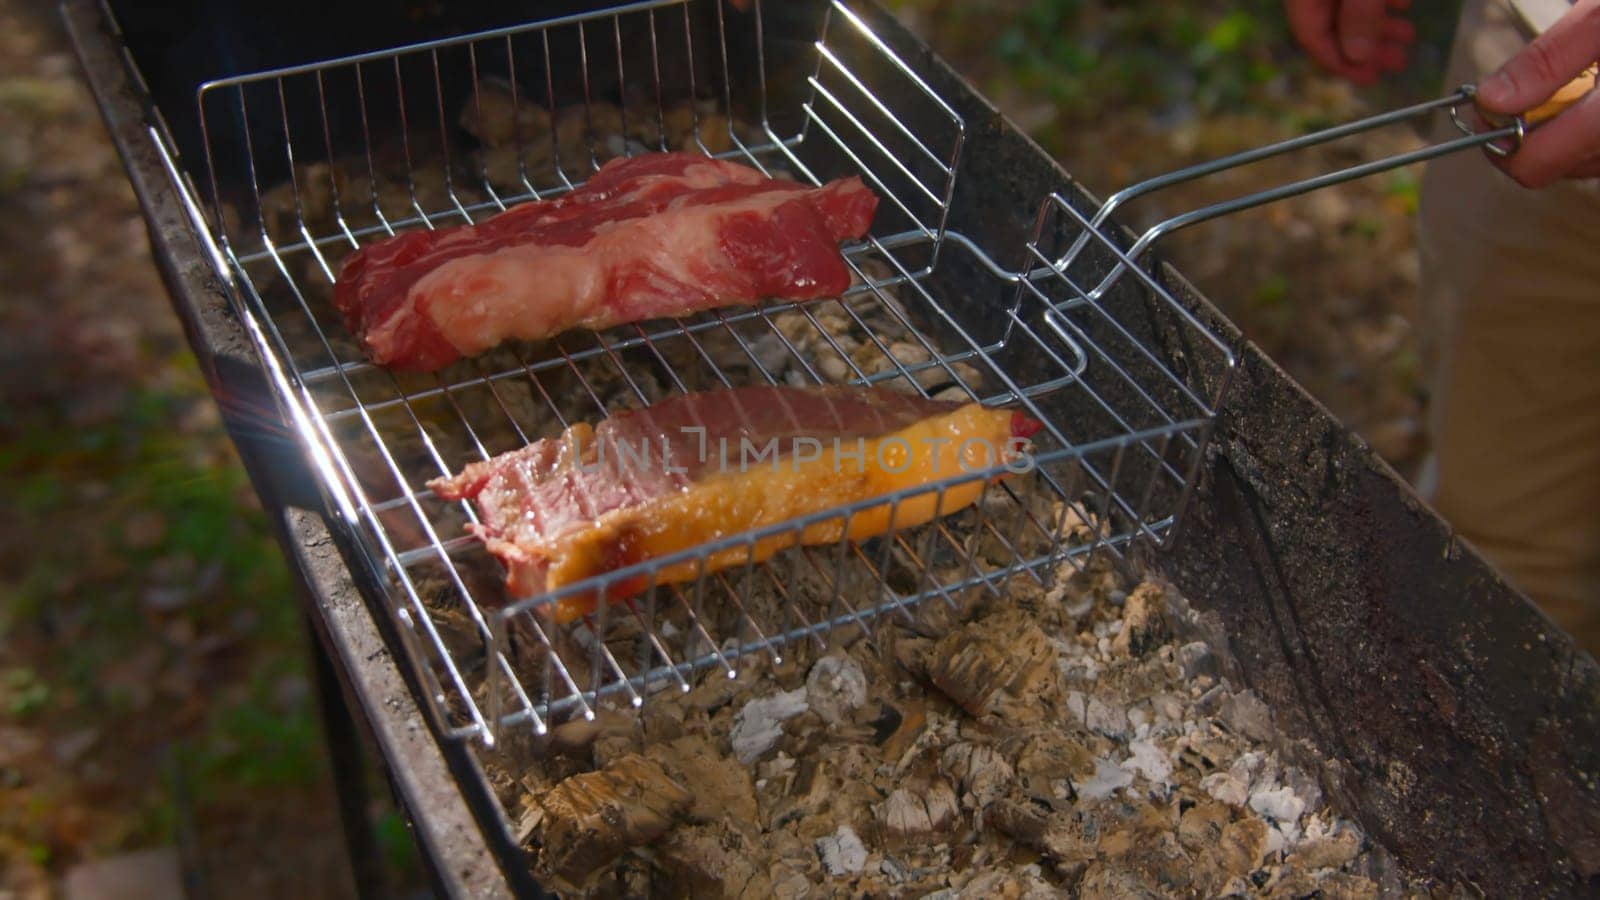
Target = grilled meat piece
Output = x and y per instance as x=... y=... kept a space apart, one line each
x=663 y=234
x=647 y=483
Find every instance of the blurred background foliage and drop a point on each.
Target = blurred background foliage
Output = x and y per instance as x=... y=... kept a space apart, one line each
x=1161 y=57
x=1120 y=92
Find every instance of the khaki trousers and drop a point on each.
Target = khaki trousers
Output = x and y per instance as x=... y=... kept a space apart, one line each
x=1511 y=295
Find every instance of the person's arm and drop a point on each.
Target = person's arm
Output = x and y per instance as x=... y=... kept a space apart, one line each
x=1360 y=40
x=1567 y=146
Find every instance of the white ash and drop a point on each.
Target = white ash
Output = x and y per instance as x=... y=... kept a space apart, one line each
x=981 y=772
x=1226 y=787
x=1149 y=760
x=836 y=688
x=1280 y=804
x=759 y=724
x=842 y=852
x=1078 y=706
x=1105 y=719
x=1108 y=778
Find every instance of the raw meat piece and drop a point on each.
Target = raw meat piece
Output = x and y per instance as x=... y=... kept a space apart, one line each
x=662 y=234
x=647 y=483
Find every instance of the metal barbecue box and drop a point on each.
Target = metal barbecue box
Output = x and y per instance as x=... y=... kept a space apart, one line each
x=1463 y=727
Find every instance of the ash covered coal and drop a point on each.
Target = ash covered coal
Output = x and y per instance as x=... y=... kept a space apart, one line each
x=1071 y=741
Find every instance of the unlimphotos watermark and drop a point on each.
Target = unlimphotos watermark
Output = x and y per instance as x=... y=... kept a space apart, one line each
x=940 y=456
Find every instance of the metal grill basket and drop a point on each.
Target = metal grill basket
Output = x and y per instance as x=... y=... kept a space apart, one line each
x=304 y=164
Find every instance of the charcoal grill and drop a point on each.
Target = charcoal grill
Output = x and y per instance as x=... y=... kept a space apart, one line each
x=1447 y=699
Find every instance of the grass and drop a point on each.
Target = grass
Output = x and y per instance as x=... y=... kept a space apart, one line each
x=250 y=737
x=1086 y=60
x=1062 y=46
x=25 y=693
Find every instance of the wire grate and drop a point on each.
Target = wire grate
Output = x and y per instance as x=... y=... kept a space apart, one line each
x=305 y=164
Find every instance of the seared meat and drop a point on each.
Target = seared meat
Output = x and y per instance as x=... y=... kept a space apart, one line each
x=698 y=467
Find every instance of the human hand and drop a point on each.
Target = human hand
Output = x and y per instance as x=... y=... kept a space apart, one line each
x=1355 y=39
x=1567 y=146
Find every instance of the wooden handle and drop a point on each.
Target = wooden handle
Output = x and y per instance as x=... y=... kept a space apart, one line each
x=1555 y=105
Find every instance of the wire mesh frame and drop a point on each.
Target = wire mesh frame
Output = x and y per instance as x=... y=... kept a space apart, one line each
x=1158 y=395
x=1161 y=419
x=1469 y=138
x=1086 y=486
x=321 y=380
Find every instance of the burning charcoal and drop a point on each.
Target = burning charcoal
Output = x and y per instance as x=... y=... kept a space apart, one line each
x=1345 y=886
x=788 y=768
x=1201 y=826
x=912 y=654
x=981 y=772
x=722 y=787
x=760 y=723
x=835 y=688
x=1224 y=852
x=710 y=861
x=591 y=818
x=1139 y=824
x=1334 y=886
x=1164 y=861
x=1205 y=753
x=689 y=129
x=1197 y=659
x=1009 y=885
x=1049 y=763
x=579 y=736
x=1001 y=653
x=913 y=721
x=1106 y=719
x=1244 y=713
x=917 y=810
x=1210 y=702
x=1112 y=881
x=496 y=119
x=1021 y=820
x=842 y=852
x=663 y=721
x=1327 y=851
x=1226 y=787
x=1067 y=842
x=833 y=785
x=788 y=882
x=528 y=822
x=1144 y=626
x=1241 y=847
